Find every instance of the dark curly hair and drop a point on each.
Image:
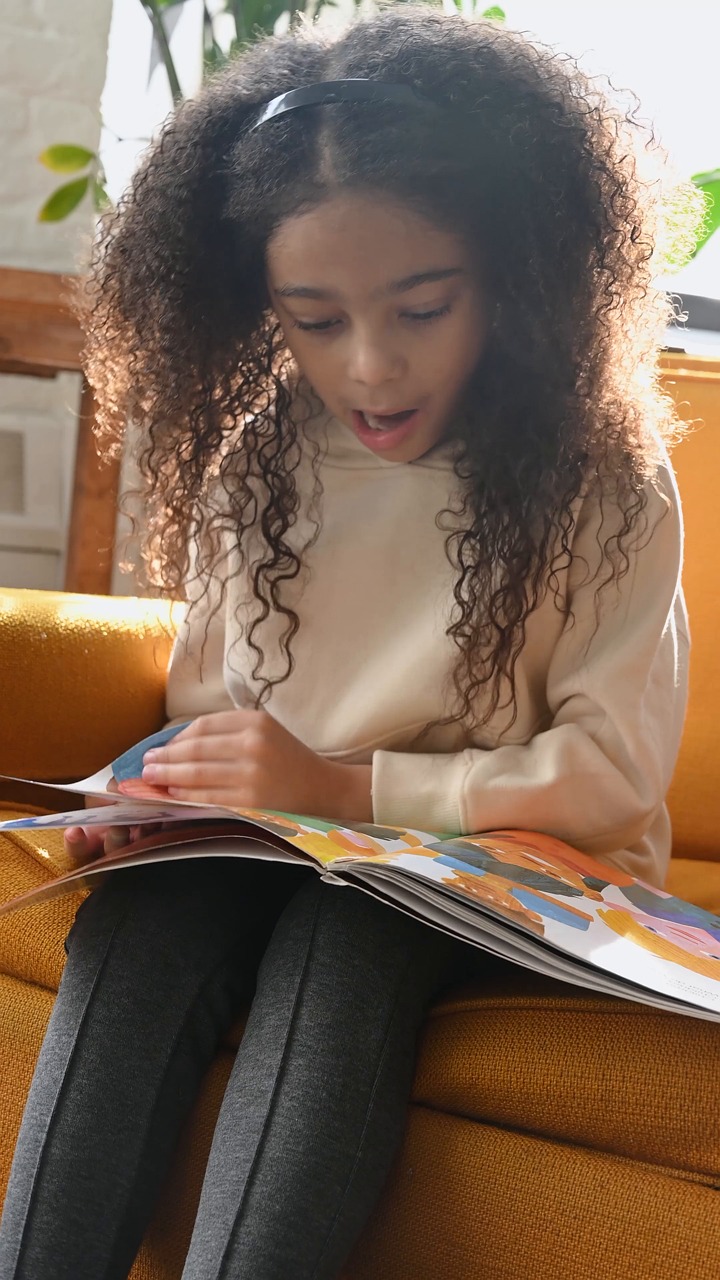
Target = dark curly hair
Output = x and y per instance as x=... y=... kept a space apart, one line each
x=532 y=163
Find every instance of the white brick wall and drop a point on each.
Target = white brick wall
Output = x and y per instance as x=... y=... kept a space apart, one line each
x=52 y=70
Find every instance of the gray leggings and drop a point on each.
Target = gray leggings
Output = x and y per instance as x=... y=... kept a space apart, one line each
x=160 y=959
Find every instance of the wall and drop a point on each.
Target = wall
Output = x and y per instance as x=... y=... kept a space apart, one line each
x=52 y=69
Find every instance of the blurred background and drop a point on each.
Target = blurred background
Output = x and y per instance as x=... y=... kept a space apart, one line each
x=83 y=88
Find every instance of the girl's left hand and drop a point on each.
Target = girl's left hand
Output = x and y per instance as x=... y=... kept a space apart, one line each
x=247 y=760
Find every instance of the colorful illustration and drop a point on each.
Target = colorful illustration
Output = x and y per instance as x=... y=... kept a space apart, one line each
x=524 y=894
x=516 y=882
x=129 y=766
x=662 y=906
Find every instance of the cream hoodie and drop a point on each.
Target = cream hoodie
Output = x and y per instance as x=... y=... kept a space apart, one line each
x=600 y=695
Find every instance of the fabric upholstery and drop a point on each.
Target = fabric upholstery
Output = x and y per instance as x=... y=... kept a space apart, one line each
x=31 y=940
x=470 y=1201
x=695 y=795
x=87 y=679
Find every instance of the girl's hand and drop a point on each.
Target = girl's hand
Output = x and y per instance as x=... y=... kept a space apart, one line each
x=83 y=844
x=246 y=760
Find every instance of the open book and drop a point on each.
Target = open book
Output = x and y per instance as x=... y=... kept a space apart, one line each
x=524 y=896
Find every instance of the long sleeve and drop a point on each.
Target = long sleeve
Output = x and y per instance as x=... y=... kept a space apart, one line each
x=196 y=684
x=597 y=774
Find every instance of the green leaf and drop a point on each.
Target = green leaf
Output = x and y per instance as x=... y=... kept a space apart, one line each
x=495 y=13
x=100 y=198
x=710 y=184
x=66 y=157
x=261 y=15
x=64 y=200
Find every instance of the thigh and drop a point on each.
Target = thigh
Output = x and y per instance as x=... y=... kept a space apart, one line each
x=159 y=959
x=183 y=916
x=316 y=1103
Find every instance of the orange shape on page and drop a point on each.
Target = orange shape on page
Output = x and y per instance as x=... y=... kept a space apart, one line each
x=355 y=842
x=624 y=924
x=494 y=891
x=140 y=790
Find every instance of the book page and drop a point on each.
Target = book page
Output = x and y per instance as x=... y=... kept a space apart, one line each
x=571 y=904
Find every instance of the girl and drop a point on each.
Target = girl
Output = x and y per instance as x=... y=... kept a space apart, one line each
x=381 y=306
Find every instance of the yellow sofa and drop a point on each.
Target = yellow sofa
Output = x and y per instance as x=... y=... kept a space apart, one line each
x=551 y=1133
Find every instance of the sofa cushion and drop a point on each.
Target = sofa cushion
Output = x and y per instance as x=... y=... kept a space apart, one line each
x=473 y=1202
x=31 y=940
x=533 y=1055
x=88 y=679
x=695 y=881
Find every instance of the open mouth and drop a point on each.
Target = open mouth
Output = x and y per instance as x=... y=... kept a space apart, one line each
x=385 y=421
x=385 y=431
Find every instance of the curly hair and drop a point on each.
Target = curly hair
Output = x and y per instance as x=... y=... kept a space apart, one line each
x=531 y=162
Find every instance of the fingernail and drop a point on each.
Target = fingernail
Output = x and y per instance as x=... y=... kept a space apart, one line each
x=150 y=755
x=150 y=772
x=73 y=834
x=116 y=838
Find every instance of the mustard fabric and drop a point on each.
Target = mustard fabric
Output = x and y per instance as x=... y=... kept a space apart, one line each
x=695 y=796
x=469 y=1201
x=31 y=940
x=83 y=678
x=695 y=881
x=535 y=1056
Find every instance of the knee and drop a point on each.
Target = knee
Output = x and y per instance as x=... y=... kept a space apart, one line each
x=175 y=900
x=343 y=921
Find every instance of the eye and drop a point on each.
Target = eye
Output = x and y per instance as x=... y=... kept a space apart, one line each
x=424 y=317
x=318 y=326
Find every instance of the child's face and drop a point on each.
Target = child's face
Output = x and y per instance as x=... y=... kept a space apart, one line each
x=384 y=314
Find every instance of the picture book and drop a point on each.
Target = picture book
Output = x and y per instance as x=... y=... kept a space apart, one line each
x=523 y=896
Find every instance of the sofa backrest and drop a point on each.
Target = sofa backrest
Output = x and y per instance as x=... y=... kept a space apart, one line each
x=695 y=792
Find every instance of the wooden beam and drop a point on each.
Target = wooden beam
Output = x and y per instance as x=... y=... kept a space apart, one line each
x=91 y=537
x=40 y=337
x=26 y=369
x=37 y=328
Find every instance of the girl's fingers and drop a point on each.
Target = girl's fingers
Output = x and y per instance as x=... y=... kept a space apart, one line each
x=217 y=722
x=225 y=775
x=220 y=746
x=230 y=799
x=116 y=838
x=84 y=842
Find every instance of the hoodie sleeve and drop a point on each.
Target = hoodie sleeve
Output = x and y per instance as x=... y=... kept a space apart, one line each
x=616 y=688
x=196 y=683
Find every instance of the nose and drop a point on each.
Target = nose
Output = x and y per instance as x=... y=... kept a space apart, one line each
x=374 y=359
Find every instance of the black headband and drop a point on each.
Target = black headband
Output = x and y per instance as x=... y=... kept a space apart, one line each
x=331 y=91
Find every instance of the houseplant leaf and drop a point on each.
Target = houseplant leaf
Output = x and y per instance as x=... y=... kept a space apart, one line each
x=710 y=184
x=66 y=157
x=64 y=200
x=100 y=198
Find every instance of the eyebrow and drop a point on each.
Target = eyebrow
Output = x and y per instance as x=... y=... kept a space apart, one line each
x=398 y=286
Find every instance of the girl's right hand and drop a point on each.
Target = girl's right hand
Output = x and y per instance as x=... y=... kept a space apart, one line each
x=83 y=844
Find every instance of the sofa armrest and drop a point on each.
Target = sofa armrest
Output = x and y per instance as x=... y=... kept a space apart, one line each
x=82 y=678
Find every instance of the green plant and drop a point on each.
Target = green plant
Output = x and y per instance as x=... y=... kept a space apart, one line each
x=710 y=184
x=67 y=157
x=251 y=19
